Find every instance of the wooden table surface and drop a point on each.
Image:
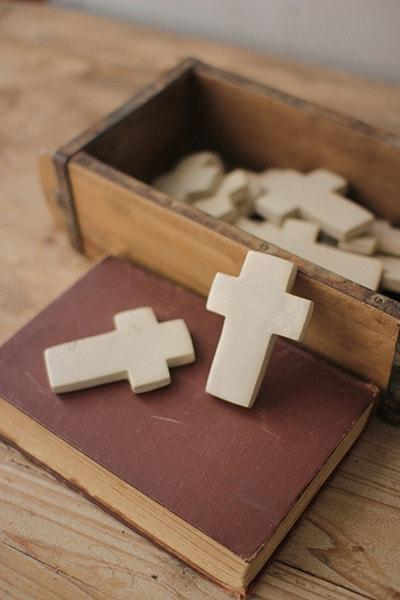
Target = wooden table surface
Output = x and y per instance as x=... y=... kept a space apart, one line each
x=59 y=72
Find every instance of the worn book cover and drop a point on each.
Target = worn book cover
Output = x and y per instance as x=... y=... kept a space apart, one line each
x=216 y=484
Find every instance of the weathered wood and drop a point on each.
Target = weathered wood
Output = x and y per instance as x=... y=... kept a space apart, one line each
x=358 y=507
x=62 y=70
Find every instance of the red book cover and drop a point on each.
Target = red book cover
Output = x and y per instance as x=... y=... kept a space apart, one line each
x=232 y=473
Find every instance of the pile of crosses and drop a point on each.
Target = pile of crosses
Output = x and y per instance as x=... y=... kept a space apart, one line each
x=305 y=214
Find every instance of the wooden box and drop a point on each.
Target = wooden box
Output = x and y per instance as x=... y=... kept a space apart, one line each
x=98 y=186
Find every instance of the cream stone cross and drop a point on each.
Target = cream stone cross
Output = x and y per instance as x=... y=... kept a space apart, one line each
x=231 y=197
x=300 y=237
x=257 y=307
x=315 y=197
x=195 y=176
x=382 y=237
x=388 y=237
x=366 y=244
x=391 y=272
x=140 y=349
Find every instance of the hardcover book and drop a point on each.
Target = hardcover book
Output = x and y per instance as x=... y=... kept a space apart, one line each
x=215 y=484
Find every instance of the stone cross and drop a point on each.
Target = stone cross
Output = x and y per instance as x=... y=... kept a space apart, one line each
x=300 y=238
x=195 y=176
x=140 y=349
x=230 y=199
x=388 y=237
x=257 y=307
x=315 y=197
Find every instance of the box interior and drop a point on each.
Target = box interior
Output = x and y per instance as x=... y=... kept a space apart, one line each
x=252 y=127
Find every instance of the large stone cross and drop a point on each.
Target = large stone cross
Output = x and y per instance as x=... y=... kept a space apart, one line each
x=257 y=307
x=314 y=196
x=195 y=176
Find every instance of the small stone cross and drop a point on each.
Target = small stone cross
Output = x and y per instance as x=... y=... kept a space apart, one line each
x=315 y=197
x=140 y=349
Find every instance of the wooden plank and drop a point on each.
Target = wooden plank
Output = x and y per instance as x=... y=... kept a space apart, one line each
x=351 y=534
x=283 y=582
x=112 y=59
x=129 y=221
x=24 y=577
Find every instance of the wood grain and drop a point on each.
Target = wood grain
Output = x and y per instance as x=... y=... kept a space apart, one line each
x=60 y=71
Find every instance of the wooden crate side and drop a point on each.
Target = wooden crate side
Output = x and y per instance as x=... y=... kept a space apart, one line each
x=136 y=102
x=124 y=217
x=164 y=104
x=147 y=141
x=50 y=185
